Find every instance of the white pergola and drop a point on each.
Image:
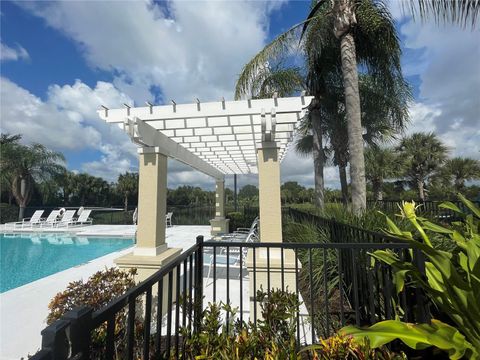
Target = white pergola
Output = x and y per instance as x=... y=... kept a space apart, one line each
x=223 y=135
x=216 y=138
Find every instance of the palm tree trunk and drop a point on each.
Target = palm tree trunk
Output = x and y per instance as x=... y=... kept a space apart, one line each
x=377 y=190
x=342 y=171
x=126 y=203
x=355 y=139
x=318 y=158
x=421 y=190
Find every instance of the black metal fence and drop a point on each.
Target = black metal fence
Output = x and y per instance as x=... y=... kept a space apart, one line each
x=337 y=284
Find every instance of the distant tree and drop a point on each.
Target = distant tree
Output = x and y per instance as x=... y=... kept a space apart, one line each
x=422 y=155
x=458 y=170
x=248 y=192
x=127 y=185
x=7 y=144
x=25 y=165
x=381 y=164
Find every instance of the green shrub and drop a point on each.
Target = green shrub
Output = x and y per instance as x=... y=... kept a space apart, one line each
x=101 y=288
x=8 y=213
x=451 y=282
x=272 y=338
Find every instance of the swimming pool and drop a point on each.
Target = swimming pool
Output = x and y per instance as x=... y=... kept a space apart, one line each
x=28 y=257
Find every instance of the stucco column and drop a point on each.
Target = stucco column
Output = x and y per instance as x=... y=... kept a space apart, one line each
x=269 y=192
x=152 y=203
x=268 y=263
x=151 y=251
x=219 y=225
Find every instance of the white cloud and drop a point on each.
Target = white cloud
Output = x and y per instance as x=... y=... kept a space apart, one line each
x=67 y=120
x=188 y=49
x=8 y=53
x=449 y=100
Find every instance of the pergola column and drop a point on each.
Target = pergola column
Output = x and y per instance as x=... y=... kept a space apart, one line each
x=151 y=251
x=219 y=225
x=269 y=192
x=267 y=264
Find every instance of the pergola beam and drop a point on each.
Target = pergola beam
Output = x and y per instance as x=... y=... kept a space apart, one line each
x=143 y=134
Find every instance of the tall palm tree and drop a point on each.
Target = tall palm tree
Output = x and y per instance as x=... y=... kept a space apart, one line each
x=458 y=170
x=385 y=114
x=28 y=164
x=422 y=154
x=381 y=164
x=365 y=35
x=127 y=185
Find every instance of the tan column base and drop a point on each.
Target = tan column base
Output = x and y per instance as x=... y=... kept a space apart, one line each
x=219 y=226
x=147 y=266
x=262 y=271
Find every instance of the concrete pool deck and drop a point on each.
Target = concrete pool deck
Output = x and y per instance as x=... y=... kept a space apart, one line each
x=23 y=310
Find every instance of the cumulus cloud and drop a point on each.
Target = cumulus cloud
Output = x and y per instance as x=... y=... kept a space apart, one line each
x=67 y=120
x=449 y=71
x=188 y=49
x=8 y=53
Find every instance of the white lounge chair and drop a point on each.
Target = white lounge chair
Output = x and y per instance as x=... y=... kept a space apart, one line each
x=235 y=258
x=66 y=219
x=51 y=220
x=83 y=219
x=27 y=222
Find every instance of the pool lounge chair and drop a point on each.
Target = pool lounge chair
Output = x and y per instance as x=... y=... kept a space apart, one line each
x=66 y=219
x=51 y=220
x=235 y=258
x=83 y=219
x=36 y=219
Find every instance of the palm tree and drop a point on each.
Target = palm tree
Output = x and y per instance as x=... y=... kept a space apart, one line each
x=26 y=165
x=422 y=154
x=381 y=164
x=7 y=145
x=365 y=35
x=460 y=170
x=384 y=112
x=127 y=185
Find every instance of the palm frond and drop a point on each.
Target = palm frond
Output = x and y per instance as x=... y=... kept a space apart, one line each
x=461 y=12
x=280 y=46
x=304 y=145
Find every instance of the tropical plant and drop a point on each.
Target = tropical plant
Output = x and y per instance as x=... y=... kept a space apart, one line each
x=340 y=33
x=451 y=282
x=381 y=164
x=422 y=154
x=24 y=165
x=127 y=185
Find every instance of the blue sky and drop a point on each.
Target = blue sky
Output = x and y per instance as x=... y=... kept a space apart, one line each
x=60 y=61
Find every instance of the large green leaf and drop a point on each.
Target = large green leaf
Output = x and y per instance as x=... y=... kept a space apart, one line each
x=416 y=336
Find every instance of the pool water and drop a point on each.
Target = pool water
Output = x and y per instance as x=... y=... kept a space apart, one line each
x=29 y=257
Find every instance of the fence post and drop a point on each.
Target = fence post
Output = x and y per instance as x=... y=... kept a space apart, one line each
x=55 y=340
x=423 y=313
x=80 y=325
x=199 y=284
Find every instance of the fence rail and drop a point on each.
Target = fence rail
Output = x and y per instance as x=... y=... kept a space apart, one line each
x=337 y=284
